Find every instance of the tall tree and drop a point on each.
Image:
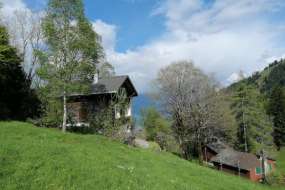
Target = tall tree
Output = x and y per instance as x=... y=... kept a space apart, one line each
x=73 y=50
x=223 y=118
x=255 y=126
x=17 y=100
x=277 y=111
x=186 y=94
x=24 y=28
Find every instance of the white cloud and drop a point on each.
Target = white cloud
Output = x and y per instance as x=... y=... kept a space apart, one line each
x=222 y=38
x=273 y=58
x=108 y=34
x=9 y=6
x=235 y=77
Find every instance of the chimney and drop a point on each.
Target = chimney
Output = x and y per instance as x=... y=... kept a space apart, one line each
x=95 y=78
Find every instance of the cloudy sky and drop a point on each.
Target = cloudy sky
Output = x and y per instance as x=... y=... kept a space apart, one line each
x=221 y=37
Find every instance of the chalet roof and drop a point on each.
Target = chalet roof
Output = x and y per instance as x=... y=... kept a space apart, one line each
x=113 y=84
x=230 y=157
x=217 y=146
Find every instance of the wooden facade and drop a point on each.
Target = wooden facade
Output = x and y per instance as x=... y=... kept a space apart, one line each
x=247 y=165
x=104 y=94
x=81 y=108
x=254 y=173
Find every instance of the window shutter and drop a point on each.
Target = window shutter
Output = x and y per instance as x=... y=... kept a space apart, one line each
x=258 y=170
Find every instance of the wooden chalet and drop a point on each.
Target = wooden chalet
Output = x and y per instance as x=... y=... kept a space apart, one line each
x=103 y=92
x=226 y=159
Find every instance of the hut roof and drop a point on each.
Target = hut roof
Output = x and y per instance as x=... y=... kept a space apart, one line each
x=230 y=157
x=217 y=146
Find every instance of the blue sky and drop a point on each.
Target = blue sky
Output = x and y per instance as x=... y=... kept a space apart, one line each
x=135 y=25
x=221 y=37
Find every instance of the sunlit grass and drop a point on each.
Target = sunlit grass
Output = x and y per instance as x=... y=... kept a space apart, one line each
x=281 y=160
x=36 y=158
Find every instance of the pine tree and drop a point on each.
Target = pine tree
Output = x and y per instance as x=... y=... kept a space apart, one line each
x=17 y=100
x=255 y=127
x=277 y=110
x=73 y=50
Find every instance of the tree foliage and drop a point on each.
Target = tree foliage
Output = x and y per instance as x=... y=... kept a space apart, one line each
x=103 y=118
x=255 y=126
x=157 y=128
x=276 y=76
x=223 y=119
x=276 y=109
x=24 y=27
x=73 y=50
x=190 y=98
x=263 y=107
x=17 y=100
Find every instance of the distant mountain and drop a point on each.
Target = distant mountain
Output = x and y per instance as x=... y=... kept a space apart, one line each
x=250 y=100
x=266 y=80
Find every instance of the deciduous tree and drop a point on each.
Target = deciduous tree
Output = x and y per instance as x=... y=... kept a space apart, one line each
x=73 y=50
x=24 y=27
x=17 y=100
x=186 y=94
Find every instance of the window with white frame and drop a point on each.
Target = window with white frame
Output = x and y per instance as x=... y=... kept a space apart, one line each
x=117 y=112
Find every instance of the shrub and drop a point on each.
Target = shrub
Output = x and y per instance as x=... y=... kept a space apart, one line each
x=154 y=147
x=157 y=129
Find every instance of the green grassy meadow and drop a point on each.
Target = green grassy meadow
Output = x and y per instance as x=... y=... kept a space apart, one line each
x=34 y=158
x=280 y=165
x=281 y=161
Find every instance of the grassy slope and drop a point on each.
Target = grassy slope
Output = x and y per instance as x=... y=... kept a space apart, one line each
x=281 y=161
x=35 y=158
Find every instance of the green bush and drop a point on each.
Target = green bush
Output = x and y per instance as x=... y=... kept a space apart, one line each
x=158 y=129
x=154 y=146
x=52 y=113
x=276 y=179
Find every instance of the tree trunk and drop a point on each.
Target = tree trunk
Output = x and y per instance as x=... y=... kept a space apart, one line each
x=244 y=127
x=64 y=114
x=205 y=154
x=239 y=168
x=200 y=151
x=183 y=147
x=263 y=166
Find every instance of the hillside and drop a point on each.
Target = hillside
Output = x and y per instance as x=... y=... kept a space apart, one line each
x=39 y=158
x=267 y=79
x=281 y=163
x=252 y=103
